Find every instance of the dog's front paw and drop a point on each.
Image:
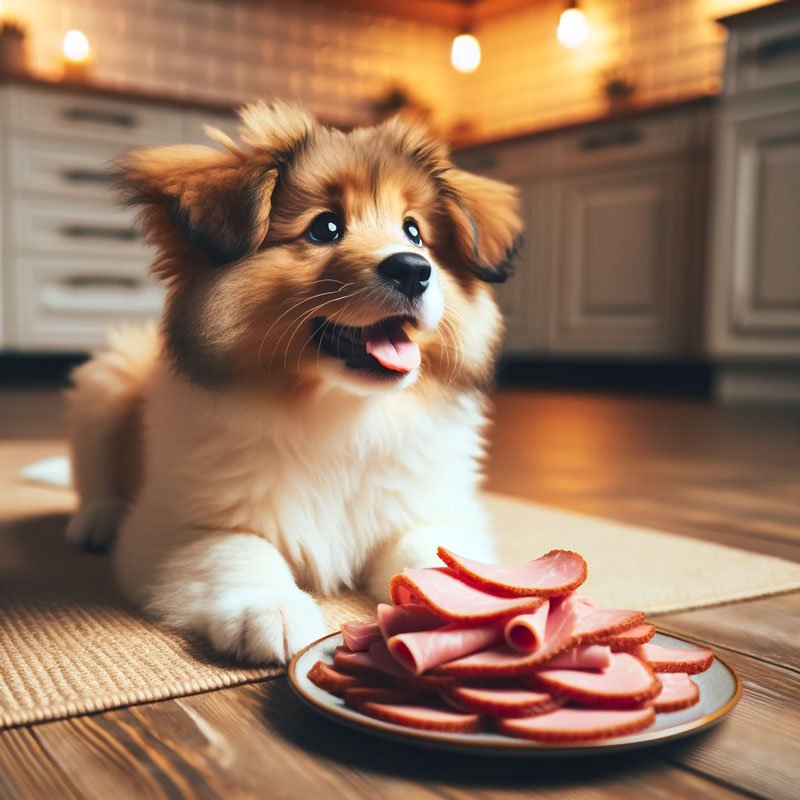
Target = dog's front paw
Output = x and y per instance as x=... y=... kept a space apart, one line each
x=94 y=524
x=260 y=625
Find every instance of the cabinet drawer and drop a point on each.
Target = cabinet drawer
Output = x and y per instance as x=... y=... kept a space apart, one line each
x=622 y=140
x=69 y=303
x=764 y=56
x=60 y=166
x=514 y=161
x=80 y=228
x=99 y=118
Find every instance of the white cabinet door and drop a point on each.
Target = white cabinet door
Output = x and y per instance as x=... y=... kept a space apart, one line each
x=755 y=298
x=616 y=261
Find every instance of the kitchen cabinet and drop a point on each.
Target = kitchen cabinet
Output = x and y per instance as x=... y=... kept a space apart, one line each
x=613 y=251
x=753 y=330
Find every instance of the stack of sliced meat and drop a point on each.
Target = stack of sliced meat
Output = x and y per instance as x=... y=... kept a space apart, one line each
x=512 y=648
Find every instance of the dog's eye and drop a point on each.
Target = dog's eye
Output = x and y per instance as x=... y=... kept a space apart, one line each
x=326 y=228
x=411 y=230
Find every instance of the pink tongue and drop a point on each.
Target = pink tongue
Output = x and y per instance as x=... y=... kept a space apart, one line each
x=392 y=349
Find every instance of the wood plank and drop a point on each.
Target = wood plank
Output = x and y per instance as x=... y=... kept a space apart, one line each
x=765 y=629
x=757 y=747
x=27 y=770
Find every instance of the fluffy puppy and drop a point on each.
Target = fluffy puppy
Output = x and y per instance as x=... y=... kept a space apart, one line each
x=308 y=416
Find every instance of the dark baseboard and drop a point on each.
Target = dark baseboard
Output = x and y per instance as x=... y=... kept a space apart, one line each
x=675 y=378
x=25 y=369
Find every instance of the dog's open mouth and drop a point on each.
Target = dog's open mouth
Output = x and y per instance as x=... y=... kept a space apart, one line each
x=382 y=349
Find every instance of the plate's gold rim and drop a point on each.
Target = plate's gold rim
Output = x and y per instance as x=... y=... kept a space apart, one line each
x=509 y=743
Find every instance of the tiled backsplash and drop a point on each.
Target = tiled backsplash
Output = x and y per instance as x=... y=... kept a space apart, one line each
x=339 y=61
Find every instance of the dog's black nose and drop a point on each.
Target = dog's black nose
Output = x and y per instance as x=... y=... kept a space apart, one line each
x=410 y=273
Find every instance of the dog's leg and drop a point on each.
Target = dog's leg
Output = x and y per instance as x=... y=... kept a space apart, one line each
x=237 y=591
x=104 y=410
x=417 y=548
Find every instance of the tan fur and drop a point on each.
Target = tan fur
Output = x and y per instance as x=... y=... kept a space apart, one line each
x=244 y=462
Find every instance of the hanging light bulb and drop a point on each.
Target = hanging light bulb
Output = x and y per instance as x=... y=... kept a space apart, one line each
x=573 y=29
x=465 y=55
x=75 y=47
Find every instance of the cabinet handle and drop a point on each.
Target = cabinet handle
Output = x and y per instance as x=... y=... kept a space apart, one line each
x=87 y=176
x=777 y=48
x=93 y=232
x=126 y=282
x=119 y=119
x=618 y=138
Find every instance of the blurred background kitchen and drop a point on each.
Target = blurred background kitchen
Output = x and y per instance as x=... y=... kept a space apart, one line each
x=656 y=144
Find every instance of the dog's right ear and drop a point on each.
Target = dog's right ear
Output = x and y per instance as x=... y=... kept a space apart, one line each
x=218 y=202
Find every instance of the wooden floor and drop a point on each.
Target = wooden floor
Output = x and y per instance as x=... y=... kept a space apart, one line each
x=730 y=475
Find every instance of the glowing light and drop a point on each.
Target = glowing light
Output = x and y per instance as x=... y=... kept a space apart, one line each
x=465 y=56
x=573 y=29
x=76 y=47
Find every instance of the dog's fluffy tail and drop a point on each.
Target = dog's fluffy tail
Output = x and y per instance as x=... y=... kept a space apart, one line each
x=104 y=416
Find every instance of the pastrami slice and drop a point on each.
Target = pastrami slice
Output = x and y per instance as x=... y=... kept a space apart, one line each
x=675 y=659
x=454 y=599
x=578 y=724
x=678 y=691
x=375 y=663
x=626 y=683
x=423 y=717
x=593 y=656
x=419 y=651
x=555 y=574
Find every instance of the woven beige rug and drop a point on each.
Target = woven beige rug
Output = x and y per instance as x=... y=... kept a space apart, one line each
x=68 y=644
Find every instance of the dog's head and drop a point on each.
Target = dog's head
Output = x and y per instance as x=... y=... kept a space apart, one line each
x=309 y=254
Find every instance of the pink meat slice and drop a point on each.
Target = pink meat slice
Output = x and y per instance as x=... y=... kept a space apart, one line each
x=578 y=724
x=360 y=636
x=390 y=346
x=500 y=702
x=678 y=691
x=419 y=651
x=454 y=599
x=593 y=656
x=572 y=622
x=525 y=632
x=627 y=683
x=410 y=617
x=374 y=663
x=555 y=574
x=675 y=659
x=423 y=717
x=630 y=640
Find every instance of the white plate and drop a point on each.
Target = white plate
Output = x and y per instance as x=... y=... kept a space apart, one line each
x=720 y=689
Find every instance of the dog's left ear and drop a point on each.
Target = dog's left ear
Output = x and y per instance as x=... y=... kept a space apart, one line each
x=487 y=227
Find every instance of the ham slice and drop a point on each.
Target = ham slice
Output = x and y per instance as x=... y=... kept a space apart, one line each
x=555 y=574
x=678 y=691
x=525 y=632
x=500 y=702
x=572 y=622
x=400 y=619
x=593 y=656
x=675 y=659
x=328 y=679
x=356 y=696
x=627 y=683
x=452 y=598
x=578 y=724
x=360 y=636
x=630 y=640
x=419 y=651
x=423 y=717
x=375 y=663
